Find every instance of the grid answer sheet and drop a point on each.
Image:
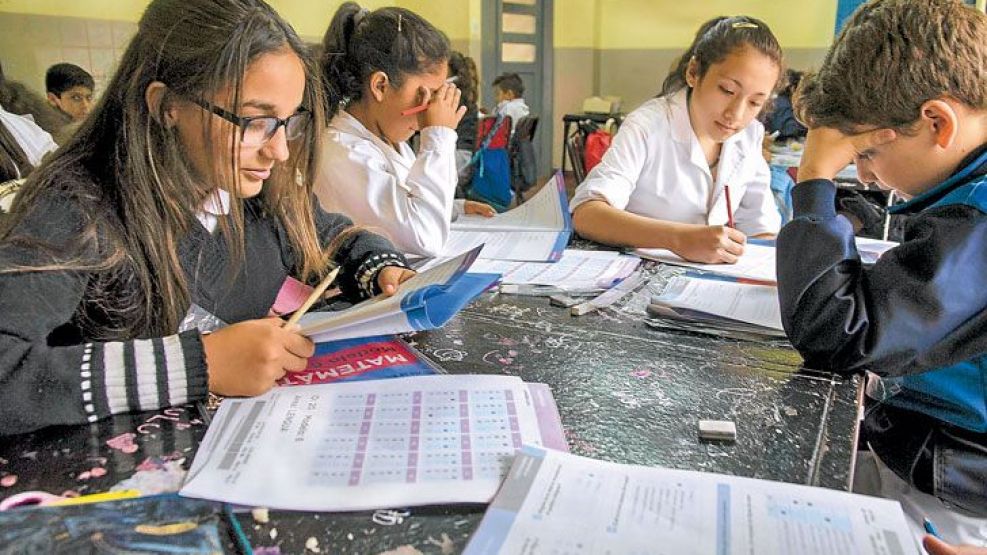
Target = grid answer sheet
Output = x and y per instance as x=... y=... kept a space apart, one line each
x=366 y=445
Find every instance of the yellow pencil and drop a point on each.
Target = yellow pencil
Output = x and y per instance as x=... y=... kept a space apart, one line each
x=96 y=498
x=316 y=294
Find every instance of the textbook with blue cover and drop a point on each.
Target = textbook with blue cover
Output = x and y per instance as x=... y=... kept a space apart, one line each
x=426 y=301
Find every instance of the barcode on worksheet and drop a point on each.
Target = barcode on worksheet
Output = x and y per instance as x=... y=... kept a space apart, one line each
x=241 y=434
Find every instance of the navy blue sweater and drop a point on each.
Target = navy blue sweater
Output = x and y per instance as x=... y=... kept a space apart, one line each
x=916 y=318
x=62 y=361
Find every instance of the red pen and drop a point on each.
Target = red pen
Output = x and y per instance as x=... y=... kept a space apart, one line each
x=424 y=106
x=726 y=192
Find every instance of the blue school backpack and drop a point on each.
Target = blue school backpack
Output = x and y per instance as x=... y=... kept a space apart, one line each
x=492 y=172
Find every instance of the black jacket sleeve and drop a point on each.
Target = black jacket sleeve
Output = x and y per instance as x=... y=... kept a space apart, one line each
x=361 y=256
x=920 y=307
x=45 y=380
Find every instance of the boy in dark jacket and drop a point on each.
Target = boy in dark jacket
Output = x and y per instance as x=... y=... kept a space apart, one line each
x=902 y=93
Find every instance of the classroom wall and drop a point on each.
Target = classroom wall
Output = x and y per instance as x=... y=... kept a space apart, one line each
x=39 y=33
x=626 y=47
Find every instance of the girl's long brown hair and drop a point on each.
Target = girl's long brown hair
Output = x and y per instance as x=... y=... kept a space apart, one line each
x=129 y=175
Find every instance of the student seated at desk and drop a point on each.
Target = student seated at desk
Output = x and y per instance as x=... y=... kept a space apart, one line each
x=183 y=202
x=379 y=66
x=902 y=93
x=509 y=95
x=663 y=182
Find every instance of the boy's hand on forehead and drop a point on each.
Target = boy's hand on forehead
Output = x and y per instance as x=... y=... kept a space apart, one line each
x=828 y=150
x=443 y=107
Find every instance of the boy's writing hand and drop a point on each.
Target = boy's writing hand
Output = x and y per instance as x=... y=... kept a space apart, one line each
x=714 y=244
x=443 y=107
x=246 y=358
x=391 y=276
x=935 y=546
x=827 y=150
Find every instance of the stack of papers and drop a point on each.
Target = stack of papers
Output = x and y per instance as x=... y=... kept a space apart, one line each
x=536 y=231
x=576 y=271
x=426 y=301
x=559 y=503
x=720 y=304
x=367 y=445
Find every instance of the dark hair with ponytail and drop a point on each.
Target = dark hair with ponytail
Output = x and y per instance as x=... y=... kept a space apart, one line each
x=358 y=43
x=718 y=38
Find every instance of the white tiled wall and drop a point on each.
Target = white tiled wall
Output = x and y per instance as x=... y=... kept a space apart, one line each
x=29 y=44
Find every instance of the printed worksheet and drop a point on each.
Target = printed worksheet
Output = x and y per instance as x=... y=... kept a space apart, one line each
x=366 y=445
x=554 y=502
x=576 y=270
x=757 y=263
x=753 y=304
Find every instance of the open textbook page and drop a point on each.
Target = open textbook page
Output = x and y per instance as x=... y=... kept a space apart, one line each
x=536 y=231
x=554 y=502
x=753 y=304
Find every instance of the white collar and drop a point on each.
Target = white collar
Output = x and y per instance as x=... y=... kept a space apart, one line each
x=682 y=132
x=345 y=122
x=216 y=204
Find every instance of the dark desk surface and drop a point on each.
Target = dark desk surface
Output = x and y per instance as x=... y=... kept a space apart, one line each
x=625 y=392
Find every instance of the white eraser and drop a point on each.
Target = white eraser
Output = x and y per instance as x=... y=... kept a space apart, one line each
x=717 y=429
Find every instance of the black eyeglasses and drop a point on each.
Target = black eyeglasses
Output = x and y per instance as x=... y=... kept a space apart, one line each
x=257 y=130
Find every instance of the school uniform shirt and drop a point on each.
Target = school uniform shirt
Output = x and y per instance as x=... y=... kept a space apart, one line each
x=408 y=198
x=63 y=359
x=516 y=109
x=655 y=167
x=35 y=142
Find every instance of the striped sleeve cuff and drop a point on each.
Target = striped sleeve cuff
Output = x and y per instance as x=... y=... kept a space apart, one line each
x=366 y=274
x=143 y=374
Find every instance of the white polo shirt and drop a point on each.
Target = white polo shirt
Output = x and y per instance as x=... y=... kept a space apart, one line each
x=35 y=142
x=655 y=167
x=407 y=198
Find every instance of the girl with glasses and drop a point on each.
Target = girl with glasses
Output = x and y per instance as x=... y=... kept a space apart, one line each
x=181 y=205
x=386 y=75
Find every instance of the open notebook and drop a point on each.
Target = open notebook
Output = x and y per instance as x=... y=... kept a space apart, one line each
x=426 y=301
x=536 y=231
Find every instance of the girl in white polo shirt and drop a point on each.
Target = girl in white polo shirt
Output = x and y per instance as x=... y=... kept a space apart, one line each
x=665 y=181
x=381 y=69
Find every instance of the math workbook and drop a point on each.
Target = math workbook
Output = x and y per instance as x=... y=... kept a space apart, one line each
x=366 y=445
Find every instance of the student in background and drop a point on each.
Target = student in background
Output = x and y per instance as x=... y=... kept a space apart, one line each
x=664 y=181
x=182 y=203
x=913 y=114
x=508 y=94
x=377 y=66
x=17 y=98
x=22 y=143
x=70 y=89
x=463 y=68
x=781 y=118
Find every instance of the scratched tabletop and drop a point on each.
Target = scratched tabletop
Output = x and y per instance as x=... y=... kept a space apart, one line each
x=626 y=392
